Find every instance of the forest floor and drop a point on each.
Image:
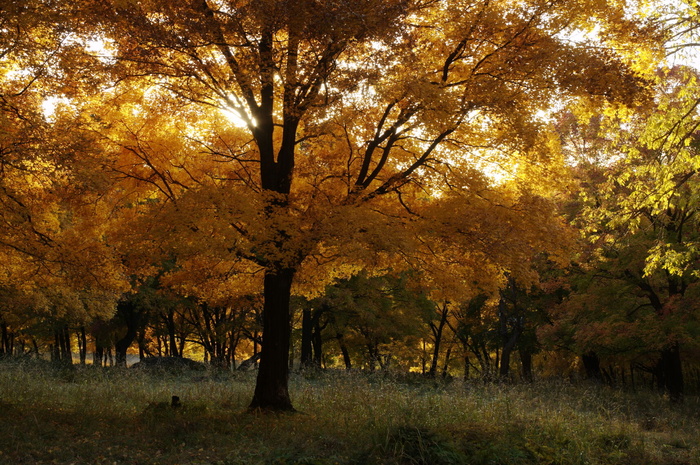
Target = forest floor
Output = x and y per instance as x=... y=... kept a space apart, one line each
x=108 y=416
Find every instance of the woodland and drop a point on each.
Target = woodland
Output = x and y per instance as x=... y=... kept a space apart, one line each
x=462 y=189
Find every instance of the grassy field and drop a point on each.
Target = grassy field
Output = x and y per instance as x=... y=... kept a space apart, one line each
x=122 y=416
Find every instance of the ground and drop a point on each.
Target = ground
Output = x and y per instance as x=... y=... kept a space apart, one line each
x=95 y=416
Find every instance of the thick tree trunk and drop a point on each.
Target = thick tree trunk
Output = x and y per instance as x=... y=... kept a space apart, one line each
x=131 y=318
x=591 y=363
x=504 y=369
x=98 y=356
x=526 y=365
x=122 y=346
x=671 y=371
x=271 y=388
x=510 y=339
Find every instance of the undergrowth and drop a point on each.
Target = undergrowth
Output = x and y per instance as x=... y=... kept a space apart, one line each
x=106 y=416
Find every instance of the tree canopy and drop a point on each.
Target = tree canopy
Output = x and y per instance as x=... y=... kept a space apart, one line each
x=239 y=148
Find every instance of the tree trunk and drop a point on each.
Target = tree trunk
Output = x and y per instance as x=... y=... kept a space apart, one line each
x=311 y=342
x=591 y=363
x=446 y=366
x=131 y=318
x=306 y=335
x=671 y=370
x=98 y=356
x=182 y=343
x=172 y=340
x=437 y=331
x=62 y=352
x=4 y=346
x=526 y=365
x=317 y=341
x=231 y=354
x=82 y=345
x=504 y=370
x=344 y=351
x=67 y=346
x=271 y=387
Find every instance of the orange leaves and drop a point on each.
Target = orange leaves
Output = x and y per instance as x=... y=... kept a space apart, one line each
x=411 y=134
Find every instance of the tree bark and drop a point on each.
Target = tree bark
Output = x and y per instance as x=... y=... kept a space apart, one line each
x=131 y=318
x=437 y=331
x=306 y=335
x=169 y=318
x=446 y=366
x=317 y=340
x=344 y=351
x=271 y=388
x=671 y=371
x=98 y=356
x=591 y=364
x=526 y=364
x=5 y=345
x=82 y=345
x=510 y=339
x=508 y=346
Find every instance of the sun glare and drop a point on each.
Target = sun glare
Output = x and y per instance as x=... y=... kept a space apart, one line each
x=235 y=118
x=50 y=104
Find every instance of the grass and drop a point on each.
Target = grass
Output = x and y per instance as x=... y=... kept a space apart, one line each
x=99 y=416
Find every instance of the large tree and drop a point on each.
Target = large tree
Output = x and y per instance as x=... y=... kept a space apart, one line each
x=350 y=118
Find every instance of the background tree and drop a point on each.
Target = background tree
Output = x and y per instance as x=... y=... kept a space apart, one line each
x=639 y=212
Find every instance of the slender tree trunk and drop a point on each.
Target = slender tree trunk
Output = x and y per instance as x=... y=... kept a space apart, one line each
x=344 y=351
x=317 y=340
x=5 y=340
x=311 y=342
x=67 y=346
x=54 y=348
x=306 y=336
x=271 y=388
x=437 y=331
x=82 y=345
x=233 y=345
x=172 y=341
x=446 y=366
x=182 y=343
x=61 y=350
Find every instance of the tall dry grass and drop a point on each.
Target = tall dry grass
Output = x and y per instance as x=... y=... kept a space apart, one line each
x=87 y=415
